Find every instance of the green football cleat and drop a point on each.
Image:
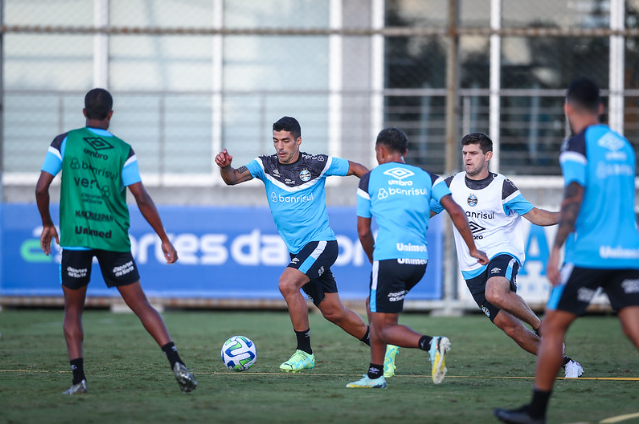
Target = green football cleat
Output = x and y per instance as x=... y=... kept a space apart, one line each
x=389 y=360
x=298 y=362
x=438 y=348
x=367 y=383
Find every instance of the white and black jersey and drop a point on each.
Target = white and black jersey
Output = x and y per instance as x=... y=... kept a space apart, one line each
x=493 y=207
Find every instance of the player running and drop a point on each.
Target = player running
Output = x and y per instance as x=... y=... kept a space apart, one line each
x=494 y=207
x=599 y=226
x=398 y=196
x=94 y=222
x=294 y=183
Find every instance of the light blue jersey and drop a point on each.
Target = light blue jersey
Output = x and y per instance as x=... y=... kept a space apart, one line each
x=297 y=197
x=398 y=196
x=605 y=235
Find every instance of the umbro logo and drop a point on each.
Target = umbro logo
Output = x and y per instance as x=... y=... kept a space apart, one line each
x=98 y=143
x=295 y=260
x=475 y=228
x=399 y=173
x=611 y=141
x=495 y=270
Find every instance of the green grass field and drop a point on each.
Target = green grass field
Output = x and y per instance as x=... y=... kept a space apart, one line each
x=130 y=381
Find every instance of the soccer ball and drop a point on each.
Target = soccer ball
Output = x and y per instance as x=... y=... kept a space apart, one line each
x=238 y=353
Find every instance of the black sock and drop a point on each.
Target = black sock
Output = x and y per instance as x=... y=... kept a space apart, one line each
x=539 y=404
x=304 y=341
x=367 y=337
x=171 y=353
x=424 y=342
x=77 y=366
x=375 y=371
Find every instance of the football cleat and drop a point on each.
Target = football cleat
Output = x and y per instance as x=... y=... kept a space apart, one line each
x=299 y=361
x=573 y=369
x=517 y=416
x=368 y=383
x=389 y=360
x=77 y=389
x=438 y=348
x=186 y=380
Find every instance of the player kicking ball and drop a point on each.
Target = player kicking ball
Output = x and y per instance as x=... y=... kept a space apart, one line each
x=294 y=183
x=398 y=196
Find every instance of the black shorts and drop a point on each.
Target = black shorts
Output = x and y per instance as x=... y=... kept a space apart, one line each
x=315 y=260
x=391 y=280
x=579 y=285
x=118 y=268
x=500 y=266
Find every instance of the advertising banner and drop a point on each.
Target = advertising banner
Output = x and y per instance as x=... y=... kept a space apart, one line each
x=232 y=252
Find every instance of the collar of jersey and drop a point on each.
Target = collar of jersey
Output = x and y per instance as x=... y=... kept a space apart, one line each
x=100 y=131
x=304 y=186
x=479 y=184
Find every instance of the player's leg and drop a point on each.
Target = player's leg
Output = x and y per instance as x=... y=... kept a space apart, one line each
x=334 y=311
x=74 y=336
x=567 y=301
x=120 y=270
x=290 y=283
x=549 y=362
x=75 y=272
x=501 y=289
x=374 y=378
x=623 y=291
x=629 y=318
x=516 y=330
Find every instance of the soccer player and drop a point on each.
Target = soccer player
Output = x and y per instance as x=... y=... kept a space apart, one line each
x=94 y=222
x=398 y=196
x=494 y=207
x=294 y=183
x=598 y=224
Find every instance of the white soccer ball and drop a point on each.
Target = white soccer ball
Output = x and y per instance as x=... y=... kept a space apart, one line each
x=238 y=353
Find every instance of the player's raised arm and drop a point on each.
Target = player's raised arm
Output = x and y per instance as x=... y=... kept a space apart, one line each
x=230 y=175
x=150 y=213
x=460 y=221
x=356 y=169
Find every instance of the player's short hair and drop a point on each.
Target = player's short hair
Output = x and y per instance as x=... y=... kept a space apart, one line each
x=584 y=94
x=394 y=139
x=289 y=124
x=98 y=103
x=485 y=143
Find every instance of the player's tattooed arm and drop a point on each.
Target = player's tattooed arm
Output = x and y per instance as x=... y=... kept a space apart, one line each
x=230 y=175
x=570 y=207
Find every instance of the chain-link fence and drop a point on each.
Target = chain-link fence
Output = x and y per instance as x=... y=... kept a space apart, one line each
x=192 y=77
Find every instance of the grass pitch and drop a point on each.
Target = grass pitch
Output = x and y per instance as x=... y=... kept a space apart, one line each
x=130 y=381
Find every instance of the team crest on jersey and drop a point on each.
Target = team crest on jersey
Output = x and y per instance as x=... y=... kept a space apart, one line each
x=399 y=173
x=472 y=200
x=305 y=175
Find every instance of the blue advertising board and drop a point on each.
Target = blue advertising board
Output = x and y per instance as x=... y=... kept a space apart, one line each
x=232 y=252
